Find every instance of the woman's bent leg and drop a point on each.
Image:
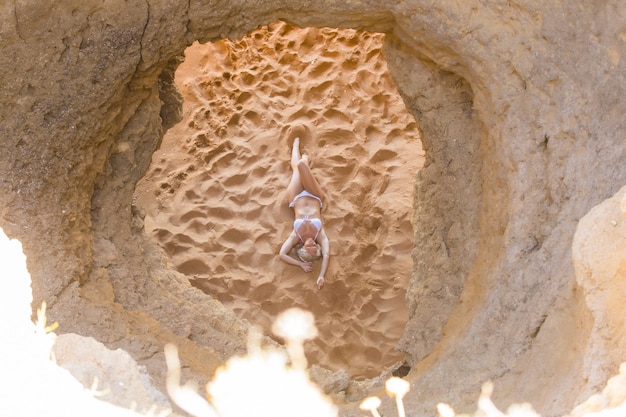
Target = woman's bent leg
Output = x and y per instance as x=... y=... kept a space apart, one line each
x=307 y=179
x=295 y=185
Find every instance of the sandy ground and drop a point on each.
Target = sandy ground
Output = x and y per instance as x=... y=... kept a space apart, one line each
x=215 y=193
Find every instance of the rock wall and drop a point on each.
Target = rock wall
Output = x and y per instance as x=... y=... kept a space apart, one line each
x=599 y=255
x=521 y=111
x=529 y=137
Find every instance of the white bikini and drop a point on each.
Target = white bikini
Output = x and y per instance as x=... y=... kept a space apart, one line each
x=313 y=220
x=305 y=193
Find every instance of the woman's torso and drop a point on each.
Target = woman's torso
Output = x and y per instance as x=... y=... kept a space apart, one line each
x=307 y=207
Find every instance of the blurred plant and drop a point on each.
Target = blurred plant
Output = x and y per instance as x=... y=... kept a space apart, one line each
x=396 y=388
x=486 y=407
x=260 y=383
x=445 y=410
x=263 y=383
x=44 y=332
x=185 y=396
x=371 y=404
x=490 y=410
x=295 y=326
x=42 y=321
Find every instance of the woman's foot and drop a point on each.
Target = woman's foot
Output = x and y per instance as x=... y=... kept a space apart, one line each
x=320 y=283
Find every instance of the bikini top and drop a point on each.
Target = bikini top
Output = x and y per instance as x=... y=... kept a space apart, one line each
x=315 y=221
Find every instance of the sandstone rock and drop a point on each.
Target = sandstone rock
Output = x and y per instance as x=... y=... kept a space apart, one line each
x=538 y=91
x=330 y=382
x=599 y=254
x=112 y=373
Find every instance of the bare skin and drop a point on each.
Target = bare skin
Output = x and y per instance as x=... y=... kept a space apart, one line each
x=305 y=207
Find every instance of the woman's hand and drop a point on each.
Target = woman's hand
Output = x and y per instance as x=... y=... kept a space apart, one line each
x=306 y=266
x=320 y=283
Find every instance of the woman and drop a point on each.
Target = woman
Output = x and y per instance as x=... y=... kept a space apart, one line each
x=308 y=236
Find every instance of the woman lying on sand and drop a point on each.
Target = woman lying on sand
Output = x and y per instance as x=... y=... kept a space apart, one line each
x=308 y=236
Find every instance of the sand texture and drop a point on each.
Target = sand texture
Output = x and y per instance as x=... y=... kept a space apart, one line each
x=520 y=111
x=215 y=197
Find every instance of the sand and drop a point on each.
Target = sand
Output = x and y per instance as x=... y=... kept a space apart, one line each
x=215 y=197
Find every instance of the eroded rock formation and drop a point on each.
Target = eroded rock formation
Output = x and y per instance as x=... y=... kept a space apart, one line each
x=521 y=111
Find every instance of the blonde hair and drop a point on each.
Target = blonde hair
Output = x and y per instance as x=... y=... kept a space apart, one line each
x=304 y=256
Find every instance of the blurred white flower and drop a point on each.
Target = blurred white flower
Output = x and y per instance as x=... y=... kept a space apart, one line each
x=263 y=385
x=398 y=387
x=371 y=404
x=185 y=396
x=295 y=326
x=445 y=410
